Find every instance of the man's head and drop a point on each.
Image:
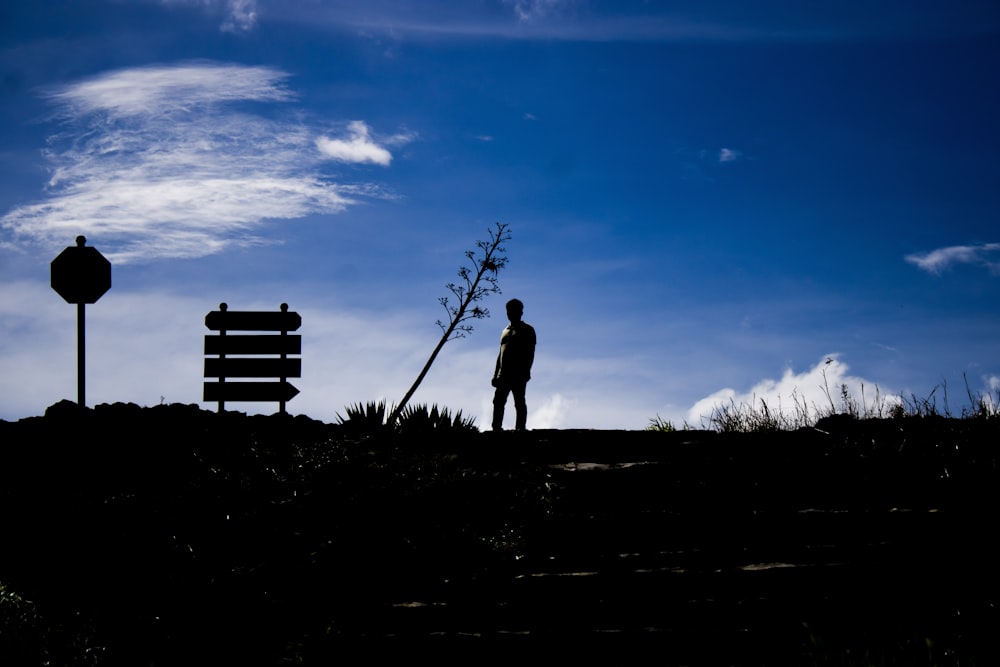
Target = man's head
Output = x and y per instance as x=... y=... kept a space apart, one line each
x=515 y=309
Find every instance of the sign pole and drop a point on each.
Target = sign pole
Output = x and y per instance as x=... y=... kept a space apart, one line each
x=81 y=356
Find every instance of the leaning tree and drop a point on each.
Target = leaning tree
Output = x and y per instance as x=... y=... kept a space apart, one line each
x=478 y=280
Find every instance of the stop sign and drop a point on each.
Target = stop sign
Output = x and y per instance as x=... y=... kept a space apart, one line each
x=81 y=274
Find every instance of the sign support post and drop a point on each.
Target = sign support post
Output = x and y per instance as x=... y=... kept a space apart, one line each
x=81 y=355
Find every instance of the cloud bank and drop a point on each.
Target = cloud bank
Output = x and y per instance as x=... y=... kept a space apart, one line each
x=580 y=20
x=798 y=397
x=942 y=259
x=180 y=161
x=347 y=357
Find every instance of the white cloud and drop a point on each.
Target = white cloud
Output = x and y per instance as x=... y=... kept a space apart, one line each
x=729 y=155
x=991 y=395
x=551 y=413
x=242 y=15
x=799 y=397
x=357 y=147
x=163 y=162
x=530 y=10
x=399 y=139
x=941 y=259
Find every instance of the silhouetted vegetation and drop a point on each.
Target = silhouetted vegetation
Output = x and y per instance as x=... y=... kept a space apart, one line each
x=170 y=535
x=660 y=424
x=372 y=418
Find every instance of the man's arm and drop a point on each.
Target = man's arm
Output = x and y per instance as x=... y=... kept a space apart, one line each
x=531 y=351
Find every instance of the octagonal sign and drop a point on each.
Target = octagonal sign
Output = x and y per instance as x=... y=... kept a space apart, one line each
x=81 y=274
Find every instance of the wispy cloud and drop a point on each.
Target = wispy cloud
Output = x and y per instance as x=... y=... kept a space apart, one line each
x=700 y=165
x=173 y=90
x=941 y=259
x=729 y=155
x=169 y=162
x=239 y=15
x=530 y=10
x=776 y=20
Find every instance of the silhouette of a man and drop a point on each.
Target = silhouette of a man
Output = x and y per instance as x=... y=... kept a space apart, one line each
x=513 y=369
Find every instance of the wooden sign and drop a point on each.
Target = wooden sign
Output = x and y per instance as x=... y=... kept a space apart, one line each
x=249 y=361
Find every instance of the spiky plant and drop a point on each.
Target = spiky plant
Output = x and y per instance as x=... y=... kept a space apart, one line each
x=365 y=419
x=421 y=419
x=373 y=417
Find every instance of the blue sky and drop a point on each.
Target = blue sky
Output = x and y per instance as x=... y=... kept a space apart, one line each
x=709 y=202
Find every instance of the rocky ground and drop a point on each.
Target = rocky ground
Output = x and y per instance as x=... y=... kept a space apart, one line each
x=147 y=536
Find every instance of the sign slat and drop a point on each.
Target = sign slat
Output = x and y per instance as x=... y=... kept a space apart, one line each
x=243 y=367
x=249 y=391
x=254 y=344
x=252 y=320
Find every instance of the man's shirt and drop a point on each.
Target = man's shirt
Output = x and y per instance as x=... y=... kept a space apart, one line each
x=517 y=352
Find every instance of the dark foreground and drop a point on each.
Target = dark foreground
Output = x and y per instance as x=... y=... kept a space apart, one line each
x=174 y=536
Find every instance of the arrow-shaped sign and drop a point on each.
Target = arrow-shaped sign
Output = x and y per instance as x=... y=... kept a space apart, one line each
x=250 y=391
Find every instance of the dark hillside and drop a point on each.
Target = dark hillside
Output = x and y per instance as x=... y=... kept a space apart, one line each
x=146 y=536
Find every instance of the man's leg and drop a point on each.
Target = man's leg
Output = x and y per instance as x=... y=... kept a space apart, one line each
x=520 y=406
x=499 y=402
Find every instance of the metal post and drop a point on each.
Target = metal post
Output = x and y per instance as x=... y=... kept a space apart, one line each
x=222 y=332
x=282 y=379
x=81 y=350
